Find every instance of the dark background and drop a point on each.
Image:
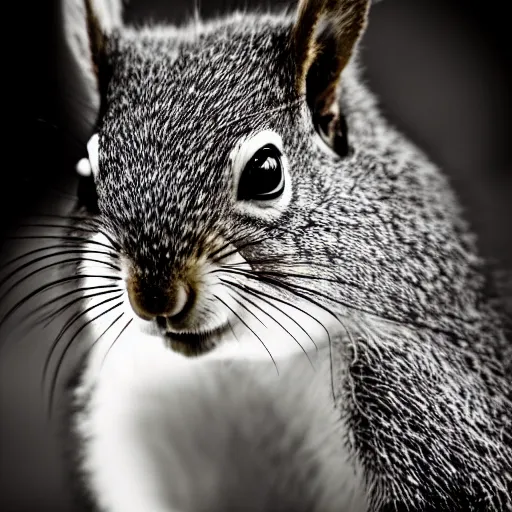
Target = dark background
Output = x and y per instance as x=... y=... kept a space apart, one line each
x=440 y=69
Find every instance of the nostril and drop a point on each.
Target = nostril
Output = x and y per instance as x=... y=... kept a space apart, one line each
x=180 y=301
x=142 y=304
x=180 y=315
x=184 y=305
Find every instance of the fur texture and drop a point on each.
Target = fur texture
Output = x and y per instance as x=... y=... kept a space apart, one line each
x=377 y=238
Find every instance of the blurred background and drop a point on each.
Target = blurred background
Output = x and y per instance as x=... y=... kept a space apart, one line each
x=441 y=69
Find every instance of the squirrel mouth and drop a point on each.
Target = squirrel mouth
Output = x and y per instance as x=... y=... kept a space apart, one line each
x=194 y=344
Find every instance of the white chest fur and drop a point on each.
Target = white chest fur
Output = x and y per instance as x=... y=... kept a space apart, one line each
x=166 y=433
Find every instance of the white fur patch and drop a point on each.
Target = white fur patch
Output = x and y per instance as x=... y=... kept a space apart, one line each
x=83 y=168
x=93 y=151
x=150 y=446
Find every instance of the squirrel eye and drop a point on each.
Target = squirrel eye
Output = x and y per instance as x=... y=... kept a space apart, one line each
x=263 y=175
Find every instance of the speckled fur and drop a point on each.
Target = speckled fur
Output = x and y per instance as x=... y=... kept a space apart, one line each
x=426 y=398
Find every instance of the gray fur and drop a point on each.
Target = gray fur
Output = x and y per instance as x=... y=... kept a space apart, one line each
x=426 y=397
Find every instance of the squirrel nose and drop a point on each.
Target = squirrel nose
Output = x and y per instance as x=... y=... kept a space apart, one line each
x=149 y=302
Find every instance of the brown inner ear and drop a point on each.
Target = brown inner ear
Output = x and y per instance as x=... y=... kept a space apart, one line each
x=322 y=77
x=326 y=25
x=323 y=39
x=303 y=39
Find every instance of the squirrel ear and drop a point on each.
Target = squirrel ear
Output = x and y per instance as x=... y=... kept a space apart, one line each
x=86 y=26
x=323 y=38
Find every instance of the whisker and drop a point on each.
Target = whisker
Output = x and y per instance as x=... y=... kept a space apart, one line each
x=331 y=368
x=218 y=251
x=48 y=286
x=49 y=318
x=237 y=249
x=273 y=273
x=297 y=291
x=70 y=323
x=96 y=341
x=115 y=341
x=93 y=227
x=33 y=321
x=233 y=331
x=278 y=260
x=258 y=293
x=53 y=384
x=98 y=227
x=67 y=238
x=240 y=239
x=72 y=292
x=264 y=297
x=86 y=223
x=241 y=320
x=74 y=318
x=273 y=319
x=54 y=255
x=263 y=261
x=111 y=241
x=247 y=309
x=51 y=248
x=52 y=265
x=292 y=288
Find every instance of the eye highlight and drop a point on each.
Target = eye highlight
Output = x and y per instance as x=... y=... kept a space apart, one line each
x=263 y=176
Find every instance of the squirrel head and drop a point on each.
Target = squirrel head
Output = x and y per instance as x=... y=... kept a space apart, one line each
x=198 y=133
x=231 y=145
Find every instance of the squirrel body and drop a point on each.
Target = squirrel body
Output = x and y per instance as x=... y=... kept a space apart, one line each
x=363 y=252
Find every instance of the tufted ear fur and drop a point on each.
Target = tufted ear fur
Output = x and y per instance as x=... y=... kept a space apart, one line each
x=323 y=38
x=85 y=28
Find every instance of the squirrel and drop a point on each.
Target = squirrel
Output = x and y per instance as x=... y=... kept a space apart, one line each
x=258 y=218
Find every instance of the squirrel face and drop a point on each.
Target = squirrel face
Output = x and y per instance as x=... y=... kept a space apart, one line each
x=223 y=149
x=194 y=154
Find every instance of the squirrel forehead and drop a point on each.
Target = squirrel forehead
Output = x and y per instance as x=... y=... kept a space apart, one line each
x=220 y=72
x=189 y=98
